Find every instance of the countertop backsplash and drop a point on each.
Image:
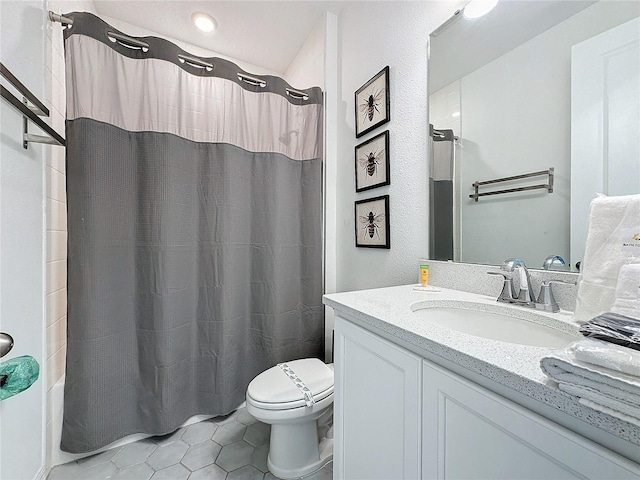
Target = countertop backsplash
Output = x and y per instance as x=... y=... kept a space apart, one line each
x=470 y=277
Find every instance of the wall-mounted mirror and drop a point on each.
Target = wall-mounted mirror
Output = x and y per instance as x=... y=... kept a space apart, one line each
x=532 y=85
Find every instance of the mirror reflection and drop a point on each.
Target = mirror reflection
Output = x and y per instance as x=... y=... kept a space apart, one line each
x=542 y=88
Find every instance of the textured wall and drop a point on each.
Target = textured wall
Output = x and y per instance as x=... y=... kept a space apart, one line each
x=371 y=36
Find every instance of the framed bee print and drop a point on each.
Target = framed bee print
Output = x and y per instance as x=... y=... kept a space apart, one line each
x=372 y=222
x=373 y=103
x=372 y=162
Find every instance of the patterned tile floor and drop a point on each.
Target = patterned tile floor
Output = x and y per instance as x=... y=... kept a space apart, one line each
x=234 y=447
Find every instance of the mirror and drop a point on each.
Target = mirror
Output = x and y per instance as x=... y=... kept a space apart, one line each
x=500 y=103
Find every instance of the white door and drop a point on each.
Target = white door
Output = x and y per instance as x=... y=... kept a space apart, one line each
x=22 y=417
x=605 y=122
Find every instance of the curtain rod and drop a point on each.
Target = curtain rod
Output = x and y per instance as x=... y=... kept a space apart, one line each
x=54 y=17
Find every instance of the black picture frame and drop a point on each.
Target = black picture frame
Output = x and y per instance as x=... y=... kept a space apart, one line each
x=373 y=103
x=372 y=222
x=372 y=162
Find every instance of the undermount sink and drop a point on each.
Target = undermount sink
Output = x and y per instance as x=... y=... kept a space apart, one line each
x=498 y=322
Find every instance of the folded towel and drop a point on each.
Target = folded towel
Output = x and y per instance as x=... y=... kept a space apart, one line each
x=600 y=399
x=627 y=296
x=608 y=355
x=614 y=223
x=616 y=391
x=628 y=283
x=614 y=413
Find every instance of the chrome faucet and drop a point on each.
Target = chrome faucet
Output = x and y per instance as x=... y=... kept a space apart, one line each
x=554 y=262
x=525 y=296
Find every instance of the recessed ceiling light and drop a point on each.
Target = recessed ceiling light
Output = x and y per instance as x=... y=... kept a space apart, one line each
x=478 y=8
x=204 y=22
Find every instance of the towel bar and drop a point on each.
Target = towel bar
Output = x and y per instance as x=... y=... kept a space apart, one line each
x=548 y=186
x=32 y=113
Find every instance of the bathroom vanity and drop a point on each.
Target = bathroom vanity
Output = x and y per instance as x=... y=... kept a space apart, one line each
x=421 y=392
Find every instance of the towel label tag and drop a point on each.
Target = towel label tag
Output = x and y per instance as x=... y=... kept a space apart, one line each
x=630 y=239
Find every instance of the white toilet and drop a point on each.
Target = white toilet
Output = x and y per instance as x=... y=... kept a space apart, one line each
x=291 y=397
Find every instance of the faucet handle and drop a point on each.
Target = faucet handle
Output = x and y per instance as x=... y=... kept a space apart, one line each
x=546 y=301
x=508 y=293
x=550 y=282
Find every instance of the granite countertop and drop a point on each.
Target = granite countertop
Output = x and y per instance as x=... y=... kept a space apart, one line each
x=388 y=311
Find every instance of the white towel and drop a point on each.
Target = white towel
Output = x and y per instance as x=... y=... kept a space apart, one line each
x=609 y=389
x=613 y=239
x=609 y=411
x=600 y=399
x=608 y=355
x=627 y=297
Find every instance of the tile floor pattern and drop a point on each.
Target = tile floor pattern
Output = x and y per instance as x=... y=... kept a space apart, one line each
x=234 y=447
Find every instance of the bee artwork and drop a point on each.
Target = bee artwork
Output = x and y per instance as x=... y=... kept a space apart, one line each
x=372 y=103
x=372 y=162
x=372 y=222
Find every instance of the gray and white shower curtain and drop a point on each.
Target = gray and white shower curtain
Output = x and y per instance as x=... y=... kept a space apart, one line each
x=194 y=234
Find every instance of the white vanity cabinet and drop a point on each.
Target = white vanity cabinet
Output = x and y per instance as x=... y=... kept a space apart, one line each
x=399 y=416
x=469 y=432
x=377 y=407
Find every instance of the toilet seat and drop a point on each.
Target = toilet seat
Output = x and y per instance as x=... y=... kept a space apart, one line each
x=274 y=390
x=288 y=405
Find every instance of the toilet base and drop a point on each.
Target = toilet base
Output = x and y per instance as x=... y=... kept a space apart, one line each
x=297 y=452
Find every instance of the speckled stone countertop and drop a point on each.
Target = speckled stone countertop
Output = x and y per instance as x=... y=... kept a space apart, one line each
x=388 y=311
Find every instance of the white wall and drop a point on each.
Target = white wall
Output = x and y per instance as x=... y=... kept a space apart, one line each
x=516 y=120
x=371 y=36
x=307 y=68
x=22 y=452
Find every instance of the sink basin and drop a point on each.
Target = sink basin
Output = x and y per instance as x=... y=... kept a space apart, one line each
x=498 y=322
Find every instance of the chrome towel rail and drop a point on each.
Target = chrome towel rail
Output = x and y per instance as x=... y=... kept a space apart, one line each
x=547 y=186
x=30 y=112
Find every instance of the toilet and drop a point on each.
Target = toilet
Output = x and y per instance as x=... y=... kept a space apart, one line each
x=291 y=397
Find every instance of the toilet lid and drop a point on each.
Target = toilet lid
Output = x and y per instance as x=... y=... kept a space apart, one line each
x=274 y=386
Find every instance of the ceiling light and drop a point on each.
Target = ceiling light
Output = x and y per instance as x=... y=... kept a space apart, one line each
x=204 y=22
x=478 y=8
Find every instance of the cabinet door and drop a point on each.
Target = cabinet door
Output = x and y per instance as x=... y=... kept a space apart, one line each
x=472 y=433
x=377 y=407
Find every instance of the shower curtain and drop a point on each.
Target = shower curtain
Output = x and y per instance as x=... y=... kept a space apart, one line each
x=194 y=233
